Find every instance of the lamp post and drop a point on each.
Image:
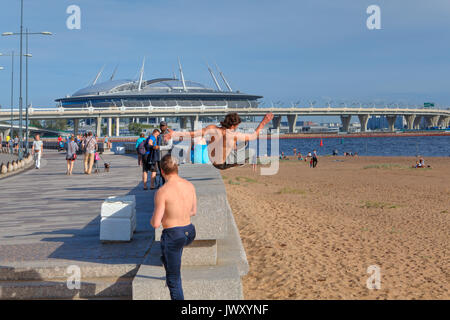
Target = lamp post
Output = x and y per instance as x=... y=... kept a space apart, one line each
x=21 y=33
x=12 y=88
x=26 y=55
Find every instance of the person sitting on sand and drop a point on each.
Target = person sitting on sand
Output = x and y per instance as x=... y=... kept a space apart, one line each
x=223 y=149
x=421 y=164
x=283 y=156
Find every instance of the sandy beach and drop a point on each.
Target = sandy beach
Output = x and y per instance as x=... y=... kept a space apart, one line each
x=313 y=233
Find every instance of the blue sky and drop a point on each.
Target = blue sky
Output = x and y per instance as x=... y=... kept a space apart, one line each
x=284 y=50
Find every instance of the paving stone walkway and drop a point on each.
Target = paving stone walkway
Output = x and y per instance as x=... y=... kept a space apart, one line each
x=49 y=219
x=6 y=157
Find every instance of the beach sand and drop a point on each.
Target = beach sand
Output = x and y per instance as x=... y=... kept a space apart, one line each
x=313 y=233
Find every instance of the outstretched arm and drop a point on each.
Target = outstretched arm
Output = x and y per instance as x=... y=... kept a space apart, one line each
x=252 y=136
x=187 y=134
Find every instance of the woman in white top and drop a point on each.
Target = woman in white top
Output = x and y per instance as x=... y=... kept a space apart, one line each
x=37 y=150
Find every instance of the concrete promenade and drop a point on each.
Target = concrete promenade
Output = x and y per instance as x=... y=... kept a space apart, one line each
x=49 y=220
x=6 y=157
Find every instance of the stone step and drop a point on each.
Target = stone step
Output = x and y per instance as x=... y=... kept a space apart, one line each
x=199 y=253
x=38 y=271
x=58 y=289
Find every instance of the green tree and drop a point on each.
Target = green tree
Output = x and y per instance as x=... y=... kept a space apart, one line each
x=135 y=128
x=35 y=123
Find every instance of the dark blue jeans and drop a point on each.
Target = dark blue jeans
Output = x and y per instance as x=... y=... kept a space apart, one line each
x=173 y=240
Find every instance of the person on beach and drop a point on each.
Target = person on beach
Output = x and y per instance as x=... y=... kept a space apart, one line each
x=223 y=149
x=150 y=159
x=90 y=146
x=165 y=144
x=71 y=155
x=175 y=204
x=37 y=150
x=314 y=159
x=421 y=164
x=138 y=142
x=309 y=156
x=283 y=156
x=295 y=152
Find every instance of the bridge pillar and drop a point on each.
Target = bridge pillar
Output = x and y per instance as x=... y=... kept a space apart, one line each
x=363 y=120
x=391 y=122
x=118 y=126
x=6 y=133
x=98 y=127
x=292 y=120
x=109 y=127
x=76 y=123
x=442 y=122
x=417 y=121
x=276 y=122
x=183 y=122
x=432 y=121
x=345 y=119
x=410 y=121
x=194 y=121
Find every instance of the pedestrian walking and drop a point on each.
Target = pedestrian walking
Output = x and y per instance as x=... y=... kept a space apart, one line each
x=71 y=155
x=37 y=150
x=90 y=145
x=165 y=145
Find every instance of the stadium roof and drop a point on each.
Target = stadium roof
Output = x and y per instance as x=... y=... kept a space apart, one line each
x=126 y=86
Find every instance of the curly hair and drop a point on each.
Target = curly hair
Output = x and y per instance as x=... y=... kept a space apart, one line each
x=230 y=120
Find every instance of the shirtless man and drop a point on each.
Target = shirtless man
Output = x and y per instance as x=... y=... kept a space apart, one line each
x=175 y=204
x=222 y=150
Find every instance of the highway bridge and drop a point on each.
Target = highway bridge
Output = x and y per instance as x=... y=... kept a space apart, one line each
x=413 y=117
x=5 y=129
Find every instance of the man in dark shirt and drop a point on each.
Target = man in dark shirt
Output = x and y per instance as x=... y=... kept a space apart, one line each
x=165 y=147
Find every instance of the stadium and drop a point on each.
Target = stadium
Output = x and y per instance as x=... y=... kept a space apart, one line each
x=161 y=92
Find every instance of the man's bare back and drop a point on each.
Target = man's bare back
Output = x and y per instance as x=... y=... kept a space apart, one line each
x=175 y=203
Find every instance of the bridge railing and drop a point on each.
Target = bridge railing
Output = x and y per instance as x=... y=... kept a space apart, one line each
x=203 y=108
x=123 y=109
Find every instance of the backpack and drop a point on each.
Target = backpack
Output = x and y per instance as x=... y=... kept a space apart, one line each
x=142 y=149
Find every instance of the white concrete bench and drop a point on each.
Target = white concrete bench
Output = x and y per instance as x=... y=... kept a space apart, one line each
x=119 y=150
x=118 y=218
